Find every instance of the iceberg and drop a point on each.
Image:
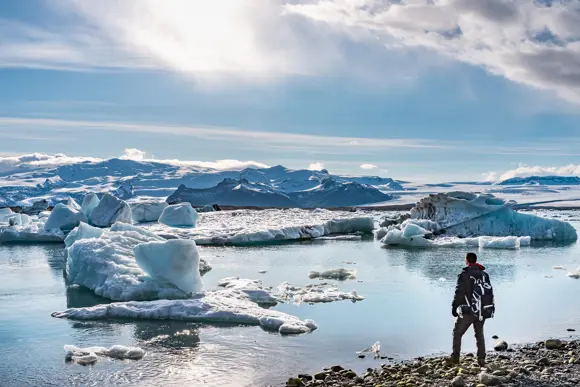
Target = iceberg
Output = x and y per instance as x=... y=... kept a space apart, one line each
x=70 y=202
x=65 y=218
x=226 y=306
x=336 y=274
x=33 y=232
x=243 y=227
x=110 y=210
x=18 y=220
x=179 y=215
x=83 y=231
x=174 y=262
x=467 y=214
x=90 y=202
x=314 y=293
x=5 y=213
x=88 y=356
x=252 y=288
x=107 y=265
x=147 y=211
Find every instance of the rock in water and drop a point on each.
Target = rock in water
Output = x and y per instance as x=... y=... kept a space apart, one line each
x=109 y=211
x=179 y=215
x=501 y=346
x=553 y=344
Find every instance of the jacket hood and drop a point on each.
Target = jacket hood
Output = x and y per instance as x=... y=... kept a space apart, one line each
x=475 y=265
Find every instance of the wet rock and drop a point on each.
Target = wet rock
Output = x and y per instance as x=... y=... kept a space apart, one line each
x=320 y=376
x=294 y=382
x=458 y=381
x=422 y=369
x=350 y=374
x=305 y=377
x=571 y=330
x=544 y=361
x=336 y=368
x=495 y=337
x=489 y=380
x=553 y=344
x=501 y=346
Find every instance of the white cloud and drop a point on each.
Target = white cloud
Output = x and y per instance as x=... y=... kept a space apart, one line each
x=368 y=166
x=34 y=161
x=536 y=43
x=318 y=166
x=526 y=170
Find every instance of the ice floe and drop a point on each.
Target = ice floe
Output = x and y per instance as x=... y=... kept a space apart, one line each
x=110 y=210
x=313 y=293
x=179 y=215
x=472 y=215
x=340 y=274
x=90 y=202
x=340 y=238
x=65 y=218
x=242 y=227
x=147 y=211
x=107 y=264
x=252 y=288
x=90 y=355
x=33 y=232
x=226 y=306
x=574 y=274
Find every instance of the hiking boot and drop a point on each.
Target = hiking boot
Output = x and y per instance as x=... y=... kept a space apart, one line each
x=481 y=362
x=452 y=361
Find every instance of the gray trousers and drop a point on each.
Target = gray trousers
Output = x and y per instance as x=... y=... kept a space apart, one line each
x=461 y=326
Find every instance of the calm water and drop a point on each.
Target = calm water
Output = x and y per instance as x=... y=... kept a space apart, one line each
x=407 y=309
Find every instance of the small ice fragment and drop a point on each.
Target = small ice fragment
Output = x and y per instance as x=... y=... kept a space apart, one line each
x=340 y=274
x=558 y=268
x=442 y=279
x=262 y=272
x=375 y=349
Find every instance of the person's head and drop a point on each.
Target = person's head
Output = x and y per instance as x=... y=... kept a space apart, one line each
x=470 y=258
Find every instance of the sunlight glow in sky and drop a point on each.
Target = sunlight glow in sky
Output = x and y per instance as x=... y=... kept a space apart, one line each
x=417 y=89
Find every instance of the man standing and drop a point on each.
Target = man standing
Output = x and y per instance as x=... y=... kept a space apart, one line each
x=472 y=305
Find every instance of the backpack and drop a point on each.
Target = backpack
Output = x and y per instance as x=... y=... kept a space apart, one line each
x=482 y=301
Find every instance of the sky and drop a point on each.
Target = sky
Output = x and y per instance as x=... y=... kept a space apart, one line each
x=422 y=90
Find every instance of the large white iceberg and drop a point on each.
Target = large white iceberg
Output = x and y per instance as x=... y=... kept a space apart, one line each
x=147 y=211
x=411 y=234
x=175 y=262
x=83 y=231
x=90 y=202
x=243 y=227
x=472 y=215
x=179 y=215
x=226 y=306
x=64 y=217
x=107 y=265
x=110 y=210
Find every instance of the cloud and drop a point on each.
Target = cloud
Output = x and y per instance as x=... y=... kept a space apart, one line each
x=29 y=162
x=368 y=166
x=536 y=43
x=526 y=170
x=316 y=166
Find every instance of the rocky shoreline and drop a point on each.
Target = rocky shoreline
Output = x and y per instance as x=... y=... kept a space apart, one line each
x=550 y=363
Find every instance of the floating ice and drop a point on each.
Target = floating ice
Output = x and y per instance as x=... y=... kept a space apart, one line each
x=412 y=235
x=314 y=293
x=110 y=210
x=558 y=268
x=252 y=288
x=90 y=202
x=375 y=349
x=88 y=356
x=242 y=227
x=18 y=220
x=574 y=274
x=340 y=238
x=64 y=218
x=5 y=213
x=340 y=274
x=147 y=211
x=83 y=231
x=70 y=202
x=472 y=215
x=31 y=233
x=174 y=262
x=227 y=306
x=179 y=215
x=107 y=265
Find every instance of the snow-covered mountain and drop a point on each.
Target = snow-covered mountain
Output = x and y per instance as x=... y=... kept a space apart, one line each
x=23 y=184
x=542 y=180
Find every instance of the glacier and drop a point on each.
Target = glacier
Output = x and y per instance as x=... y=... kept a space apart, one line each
x=110 y=210
x=243 y=227
x=147 y=211
x=107 y=265
x=179 y=215
x=225 y=306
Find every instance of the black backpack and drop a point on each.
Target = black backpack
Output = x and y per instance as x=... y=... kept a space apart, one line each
x=481 y=301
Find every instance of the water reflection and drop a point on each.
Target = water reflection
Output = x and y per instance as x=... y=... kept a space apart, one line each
x=81 y=297
x=173 y=334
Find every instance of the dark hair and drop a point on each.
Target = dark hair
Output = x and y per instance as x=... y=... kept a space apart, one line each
x=471 y=257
